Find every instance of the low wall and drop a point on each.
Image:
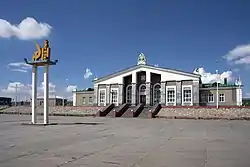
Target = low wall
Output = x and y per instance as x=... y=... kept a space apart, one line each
x=57 y=110
x=232 y=113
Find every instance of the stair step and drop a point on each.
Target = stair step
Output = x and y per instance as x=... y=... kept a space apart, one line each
x=128 y=113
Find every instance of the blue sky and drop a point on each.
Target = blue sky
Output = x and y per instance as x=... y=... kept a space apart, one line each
x=106 y=36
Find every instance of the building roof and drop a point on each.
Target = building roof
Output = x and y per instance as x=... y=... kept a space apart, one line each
x=84 y=90
x=211 y=85
x=51 y=97
x=146 y=66
x=5 y=98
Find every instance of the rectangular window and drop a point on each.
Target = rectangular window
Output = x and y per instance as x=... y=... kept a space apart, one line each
x=210 y=98
x=83 y=100
x=102 y=96
x=222 y=97
x=187 y=94
x=171 y=95
x=90 y=100
x=114 y=96
x=203 y=98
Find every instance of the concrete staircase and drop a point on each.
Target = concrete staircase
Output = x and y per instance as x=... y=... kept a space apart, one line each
x=146 y=112
x=133 y=111
x=106 y=110
x=154 y=111
x=121 y=110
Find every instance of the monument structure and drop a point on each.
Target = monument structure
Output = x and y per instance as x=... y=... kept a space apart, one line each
x=41 y=58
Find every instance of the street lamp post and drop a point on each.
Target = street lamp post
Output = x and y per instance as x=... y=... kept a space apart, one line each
x=217 y=90
x=16 y=95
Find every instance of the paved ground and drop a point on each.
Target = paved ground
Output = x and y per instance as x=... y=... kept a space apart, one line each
x=124 y=142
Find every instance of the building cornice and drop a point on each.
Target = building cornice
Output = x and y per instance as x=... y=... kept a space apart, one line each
x=147 y=67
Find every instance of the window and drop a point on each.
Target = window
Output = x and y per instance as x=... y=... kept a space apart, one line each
x=210 y=98
x=102 y=96
x=203 y=98
x=129 y=94
x=142 y=89
x=222 y=97
x=187 y=95
x=90 y=100
x=114 y=96
x=83 y=100
x=171 y=95
x=143 y=77
x=157 y=94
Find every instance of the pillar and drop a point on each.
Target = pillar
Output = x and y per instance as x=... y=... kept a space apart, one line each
x=148 y=88
x=46 y=95
x=34 y=94
x=134 y=78
x=196 y=93
x=163 y=93
x=108 y=95
x=74 y=97
x=120 y=94
x=95 y=94
x=178 y=93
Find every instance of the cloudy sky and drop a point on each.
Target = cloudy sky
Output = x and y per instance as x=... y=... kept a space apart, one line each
x=93 y=38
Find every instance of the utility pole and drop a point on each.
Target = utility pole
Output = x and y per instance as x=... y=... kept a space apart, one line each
x=217 y=90
x=16 y=95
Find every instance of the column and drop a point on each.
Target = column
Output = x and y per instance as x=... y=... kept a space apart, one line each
x=46 y=95
x=196 y=93
x=108 y=98
x=163 y=93
x=120 y=94
x=74 y=97
x=134 y=78
x=178 y=93
x=148 y=88
x=95 y=94
x=34 y=93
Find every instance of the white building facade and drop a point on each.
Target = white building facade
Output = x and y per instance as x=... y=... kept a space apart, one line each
x=148 y=85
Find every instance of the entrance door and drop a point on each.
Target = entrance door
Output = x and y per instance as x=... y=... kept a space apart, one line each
x=143 y=99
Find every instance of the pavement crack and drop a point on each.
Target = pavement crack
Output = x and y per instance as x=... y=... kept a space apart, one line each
x=19 y=156
x=205 y=161
x=85 y=155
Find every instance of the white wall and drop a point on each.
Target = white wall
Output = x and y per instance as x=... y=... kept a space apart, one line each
x=239 y=96
x=165 y=76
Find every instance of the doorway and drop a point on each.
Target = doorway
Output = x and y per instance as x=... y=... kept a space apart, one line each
x=143 y=99
x=142 y=94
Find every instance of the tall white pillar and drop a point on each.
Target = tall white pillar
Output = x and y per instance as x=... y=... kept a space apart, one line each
x=148 y=88
x=34 y=93
x=134 y=95
x=46 y=95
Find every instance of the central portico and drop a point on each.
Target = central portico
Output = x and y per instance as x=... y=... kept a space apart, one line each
x=148 y=85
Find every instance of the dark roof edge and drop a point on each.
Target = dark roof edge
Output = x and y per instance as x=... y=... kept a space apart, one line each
x=150 y=66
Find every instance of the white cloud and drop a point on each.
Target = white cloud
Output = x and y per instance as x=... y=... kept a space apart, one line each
x=28 y=29
x=156 y=65
x=25 y=90
x=19 y=67
x=207 y=77
x=87 y=73
x=70 y=88
x=239 y=55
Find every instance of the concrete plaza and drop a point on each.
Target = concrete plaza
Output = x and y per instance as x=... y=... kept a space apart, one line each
x=124 y=142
